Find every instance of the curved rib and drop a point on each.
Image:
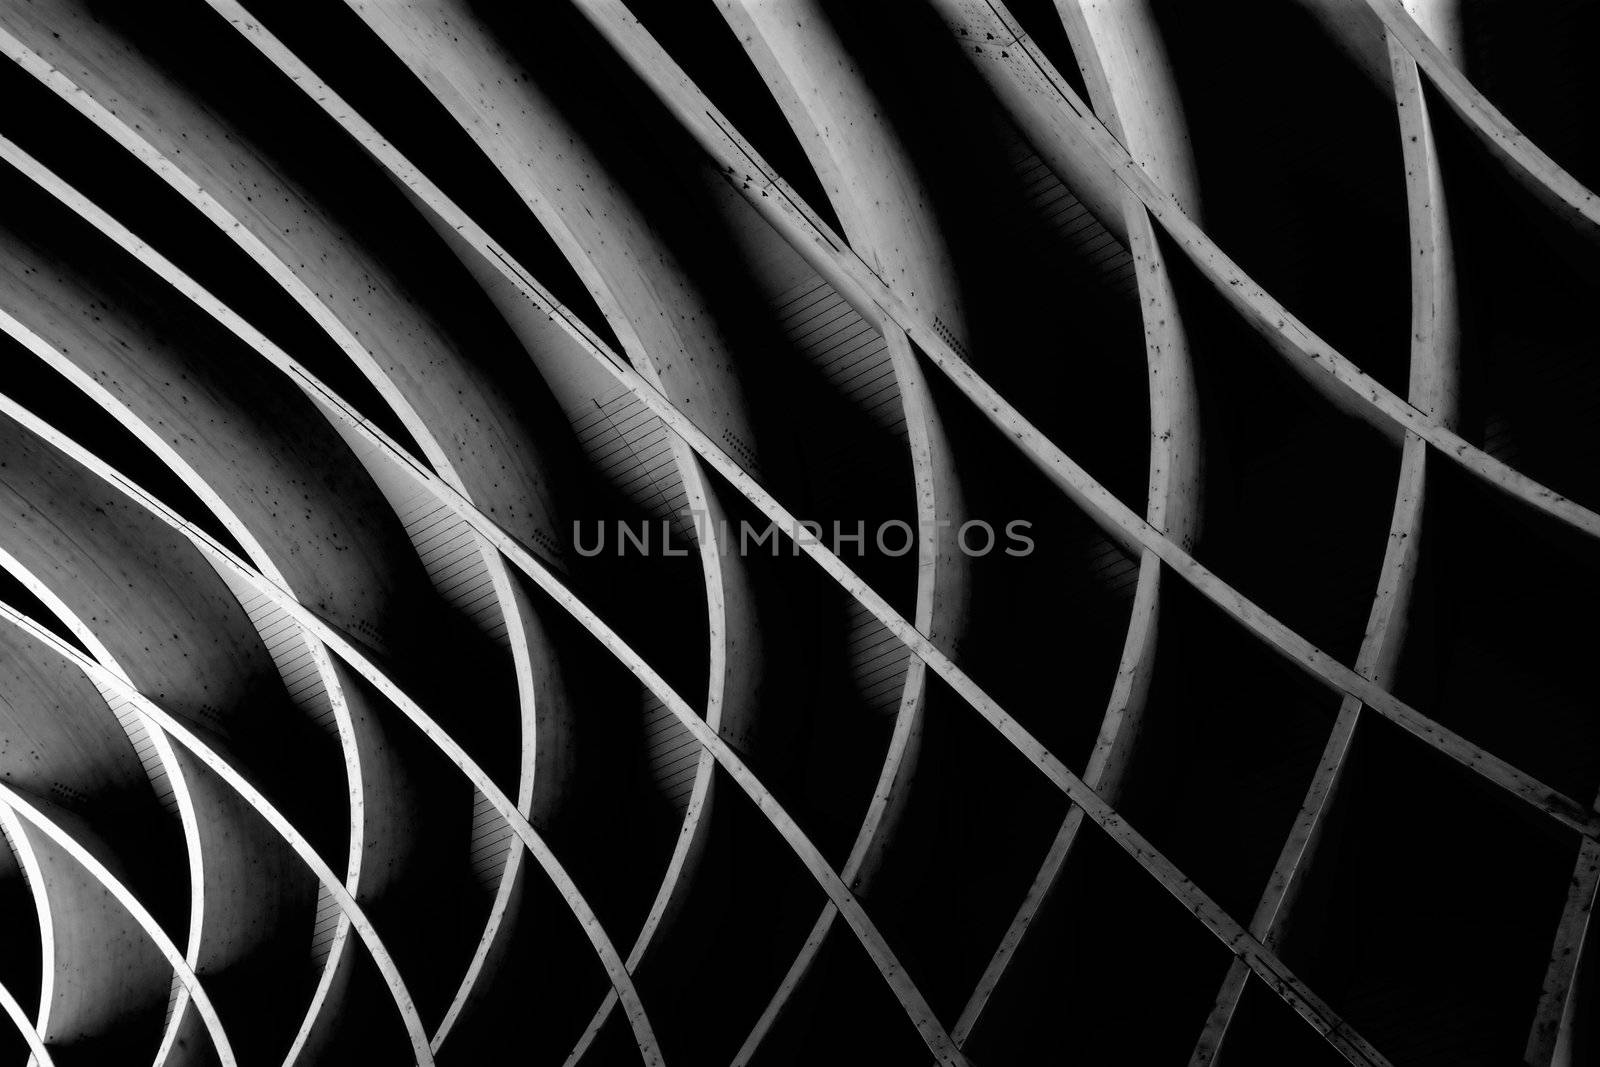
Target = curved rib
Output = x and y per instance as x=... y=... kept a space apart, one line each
x=1238 y=940
x=663 y=322
x=1524 y=159
x=225 y=475
x=880 y=197
x=1550 y=1036
x=14 y=835
x=224 y=769
x=1063 y=471
x=1434 y=387
x=916 y=1006
x=19 y=1019
x=1122 y=57
x=77 y=752
x=97 y=871
x=1044 y=103
x=411 y=365
x=1307 y=656
x=1120 y=522
x=351 y=653
x=188 y=638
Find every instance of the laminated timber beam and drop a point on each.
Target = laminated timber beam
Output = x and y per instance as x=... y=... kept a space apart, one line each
x=1122 y=58
x=666 y=330
x=1411 y=29
x=38 y=820
x=63 y=743
x=159 y=616
x=834 y=258
x=467 y=429
x=416 y=181
x=938 y=1042
x=1434 y=387
x=200 y=424
x=224 y=768
x=30 y=1035
x=873 y=186
x=351 y=652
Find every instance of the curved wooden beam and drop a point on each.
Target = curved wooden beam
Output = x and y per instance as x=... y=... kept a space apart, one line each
x=51 y=830
x=350 y=652
x=916 y=1006
x=1122 y=57
x=664 y=324
x=1307 y=656
x=225 y=769
x=1525 y=160
x=1551 y=1035
x=160 y=619
x=63 y=742
x=165 y=398
x=832 y=258
x=1434 y=388
x=446 y=406
x=1102 y=504
x=877 y=193
x=19 y=1019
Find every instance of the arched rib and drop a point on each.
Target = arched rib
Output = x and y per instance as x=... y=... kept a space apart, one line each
x=186 y=638
x=351 y=653
x=664 y=324
x=36 y=817
x=19 y=1019
x=390 y=341
x=831 y=257
x=1042 y=101
x=872 y=941
x=1322 y=1018
x=874 y=187
x=1062 y=471
x=64 y=743
x=111 y=362
x=709 y=450
x=1434 y=388
x=14 y=833
x=1551 y=1035
x=1524 y=159
x=1122 y=57
x=220 y=765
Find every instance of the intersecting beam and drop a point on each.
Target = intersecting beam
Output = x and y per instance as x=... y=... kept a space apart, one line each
x=50 y=829
x=1122 y=58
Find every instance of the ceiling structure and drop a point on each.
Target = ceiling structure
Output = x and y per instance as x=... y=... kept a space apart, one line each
x=784 y=531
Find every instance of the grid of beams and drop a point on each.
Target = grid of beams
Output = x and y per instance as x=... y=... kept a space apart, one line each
x=340 y=332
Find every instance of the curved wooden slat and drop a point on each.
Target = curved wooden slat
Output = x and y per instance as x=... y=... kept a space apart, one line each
x=1524 y=159
x=1434 y=388
x=1121 y=523
x=19 y=1019
x=1043 y=102
x=707 y=449
x=702 y=445
x=224 y=769
x=243 y=468
x=61 y=741
x=917 y=1009
x=1122 y=57
x=350 y=652
x=874 y=188
x=467 y=428
x=163 y=620
x=50 y=829
x=663 y=322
